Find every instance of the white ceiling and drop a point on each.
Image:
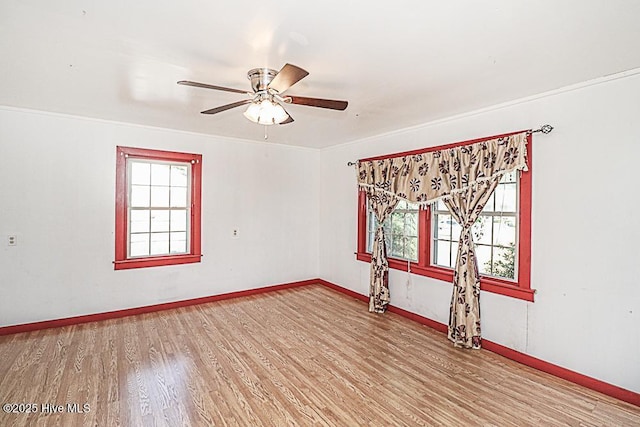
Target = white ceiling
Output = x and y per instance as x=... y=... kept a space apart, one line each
x=398 y=63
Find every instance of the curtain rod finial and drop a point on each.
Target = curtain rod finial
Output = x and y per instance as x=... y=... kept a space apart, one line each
x=546 y=129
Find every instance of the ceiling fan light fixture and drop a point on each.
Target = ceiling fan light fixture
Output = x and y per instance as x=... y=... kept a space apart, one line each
x=266 y=112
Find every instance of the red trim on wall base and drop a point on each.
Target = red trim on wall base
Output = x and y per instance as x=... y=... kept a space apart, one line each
x=440 y=327
x=541 y=365
x=344 y=290
x=566 y=374
x=28 y=327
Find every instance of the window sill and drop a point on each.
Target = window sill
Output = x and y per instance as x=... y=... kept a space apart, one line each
x=488 y=284
x=156 y=261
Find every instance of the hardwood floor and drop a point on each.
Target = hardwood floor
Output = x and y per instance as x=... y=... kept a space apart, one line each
x=304 y=356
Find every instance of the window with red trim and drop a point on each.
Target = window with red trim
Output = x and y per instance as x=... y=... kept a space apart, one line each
x=502 y=235
x=158 y=197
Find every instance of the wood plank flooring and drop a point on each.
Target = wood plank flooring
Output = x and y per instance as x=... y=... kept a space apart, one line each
x=305 y=356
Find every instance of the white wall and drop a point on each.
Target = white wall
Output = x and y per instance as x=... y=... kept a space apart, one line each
x=585 y=243
x=57 y=194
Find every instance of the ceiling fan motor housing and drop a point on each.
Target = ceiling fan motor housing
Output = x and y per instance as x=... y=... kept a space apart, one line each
x=260 y=78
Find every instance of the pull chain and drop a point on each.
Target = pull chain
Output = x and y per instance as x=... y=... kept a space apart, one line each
x=265 y=133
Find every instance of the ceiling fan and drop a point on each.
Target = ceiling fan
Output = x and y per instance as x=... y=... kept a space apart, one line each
x=265 y=102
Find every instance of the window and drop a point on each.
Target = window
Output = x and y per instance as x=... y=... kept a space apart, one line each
x=502 y=235
x=400 y=231
x=495 y=232
x=157 y=208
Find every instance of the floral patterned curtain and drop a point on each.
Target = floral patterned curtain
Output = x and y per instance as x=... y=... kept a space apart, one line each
x=464 y=314
x=382 y=206
x=464 y=178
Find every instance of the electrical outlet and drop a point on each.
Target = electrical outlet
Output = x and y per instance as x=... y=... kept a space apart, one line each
x=235 y=233
x=12 y=240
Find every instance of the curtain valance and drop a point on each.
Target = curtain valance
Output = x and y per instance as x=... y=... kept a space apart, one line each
x=426 y=177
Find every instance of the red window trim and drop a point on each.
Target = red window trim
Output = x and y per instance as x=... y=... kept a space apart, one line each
x=520 y=289
x=121 y=261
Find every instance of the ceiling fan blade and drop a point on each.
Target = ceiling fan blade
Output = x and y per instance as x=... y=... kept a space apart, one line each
x=287 y=77
x=288 y=120
x=226 y=107
x=331 y=104
x=206 y=86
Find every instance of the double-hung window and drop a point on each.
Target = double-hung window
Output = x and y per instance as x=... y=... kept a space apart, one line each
x=157 y=208
x=426 y=241
x=400 y=231
x=495 y=232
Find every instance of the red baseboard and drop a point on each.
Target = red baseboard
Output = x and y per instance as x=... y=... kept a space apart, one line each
x=345 y=291
x=440 y=327
x=566 y=374
x=541 y=365
x=27 y=327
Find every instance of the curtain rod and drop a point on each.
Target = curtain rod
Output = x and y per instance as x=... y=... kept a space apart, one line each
x=544 y=129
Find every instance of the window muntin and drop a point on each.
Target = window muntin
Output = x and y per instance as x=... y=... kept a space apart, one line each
x=158 y=206
x=495 y=232
x=400 y=231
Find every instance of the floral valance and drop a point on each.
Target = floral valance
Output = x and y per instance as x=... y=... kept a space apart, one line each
x=426 y=177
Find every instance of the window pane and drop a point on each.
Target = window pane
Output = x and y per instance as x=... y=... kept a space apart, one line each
x=387 y=233
x=178 y=242
x=483 y=255
x=454 y=252
x=504 y=262
x=178 y=220
x=482 y=230
x=411 y=248
x=455 y=230
x=397 y=246
x=139 y=245
x=440 y=206
x=160 y=197
x=159 y=243
x=504 y=231
x=443 y=230
x=178 y=197
x=397 y=223
x=139 y=221
x=411 y=224
x=506 y=198
x=489 y=206
x=139 y=196
x=443 y=253
x=179 y=176
x=159 y=221
x=140 y=173
x=371 y=220
x=370 y=243
x=159 y=174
